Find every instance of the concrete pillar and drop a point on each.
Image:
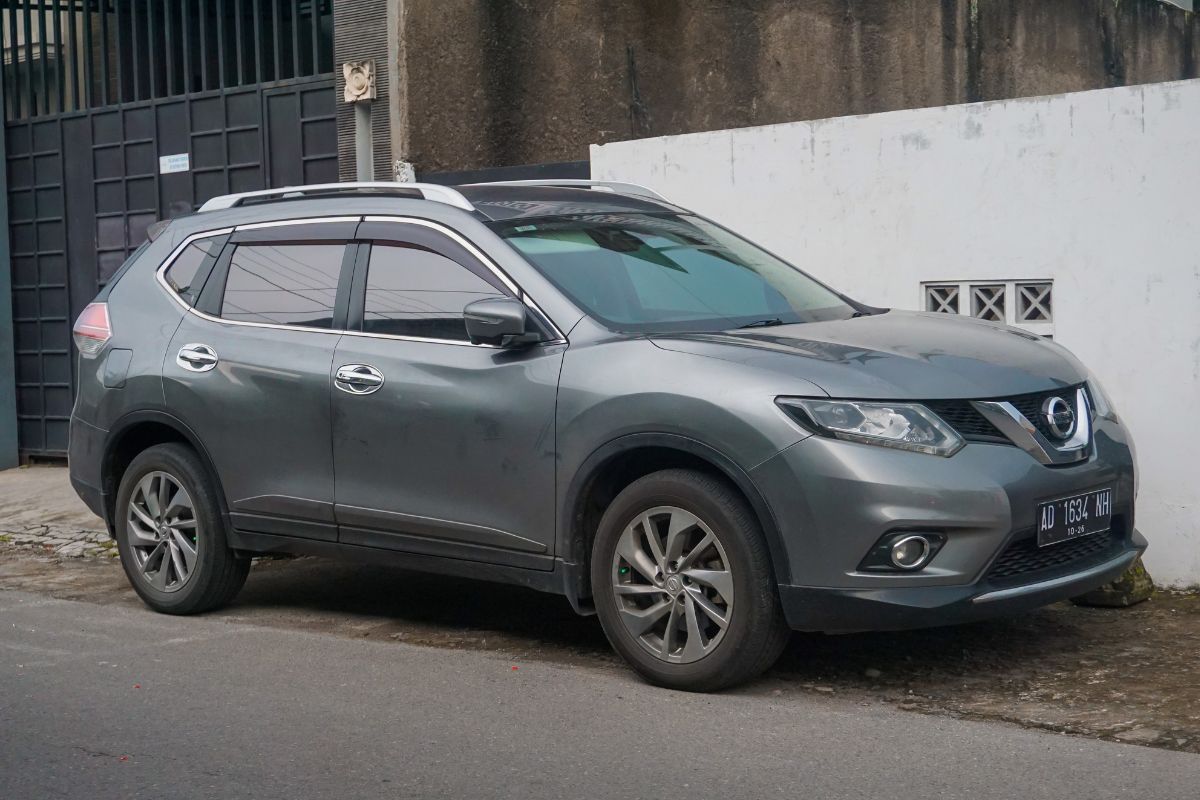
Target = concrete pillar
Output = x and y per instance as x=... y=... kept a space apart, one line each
x=364 y=151
x=361 y=32
x=8 y=377
x=397 y=68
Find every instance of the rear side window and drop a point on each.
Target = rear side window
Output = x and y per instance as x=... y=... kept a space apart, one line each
x=419 y=293
x=190 y=269
x=283 y=284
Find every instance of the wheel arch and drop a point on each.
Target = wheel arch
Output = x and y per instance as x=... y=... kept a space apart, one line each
x=618 y=463
x=134 y=433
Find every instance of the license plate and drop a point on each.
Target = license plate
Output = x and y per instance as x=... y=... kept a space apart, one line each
x=1072 y=517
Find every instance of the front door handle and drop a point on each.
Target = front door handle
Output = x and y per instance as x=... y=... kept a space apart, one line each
x=196 y=357
x=358 y=378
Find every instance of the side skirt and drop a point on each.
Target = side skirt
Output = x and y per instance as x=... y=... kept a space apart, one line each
x=551 y=577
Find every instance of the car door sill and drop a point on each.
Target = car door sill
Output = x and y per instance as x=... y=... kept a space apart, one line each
x=284 y=526
x=441 y=548
x=544 y=577
x=388 y=523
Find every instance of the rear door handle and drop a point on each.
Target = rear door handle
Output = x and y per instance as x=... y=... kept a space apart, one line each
x=358 y=378
x=197 y=357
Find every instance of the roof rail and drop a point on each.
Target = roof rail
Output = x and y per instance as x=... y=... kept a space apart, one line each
x=617 y=187
x=428 y=191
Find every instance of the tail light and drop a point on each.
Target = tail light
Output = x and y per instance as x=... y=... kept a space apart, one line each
x=92 y=329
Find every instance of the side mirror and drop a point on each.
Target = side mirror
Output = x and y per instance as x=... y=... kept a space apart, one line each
x=497 y=320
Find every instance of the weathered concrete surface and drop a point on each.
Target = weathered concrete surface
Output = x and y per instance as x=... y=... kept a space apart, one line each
x=1119 y=674
x=1126 y=675
x=119 y=702
x=40 y=511
x=501 y=82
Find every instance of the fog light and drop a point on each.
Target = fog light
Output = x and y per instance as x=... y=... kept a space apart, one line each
x=911 y=552
x=903 y=551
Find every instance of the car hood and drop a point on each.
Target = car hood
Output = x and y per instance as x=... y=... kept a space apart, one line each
x=896 y=355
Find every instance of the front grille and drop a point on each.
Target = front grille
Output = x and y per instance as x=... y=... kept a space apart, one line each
x=1031 y=406
x=973 y=426
x=970 y=424
x=1023 y=561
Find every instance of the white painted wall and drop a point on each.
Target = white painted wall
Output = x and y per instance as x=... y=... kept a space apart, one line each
x=1099 y=191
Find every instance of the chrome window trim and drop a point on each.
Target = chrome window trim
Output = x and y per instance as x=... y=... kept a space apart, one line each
x=160 y=277
x=470 y=248
x=160 y=274
x=250 y=226
x=521 y=294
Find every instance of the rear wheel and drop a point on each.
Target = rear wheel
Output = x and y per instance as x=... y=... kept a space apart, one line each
x=171 y=536
x=683 y=585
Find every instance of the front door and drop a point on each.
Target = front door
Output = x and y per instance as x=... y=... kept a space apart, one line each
x=440 y=447
x=250 y=372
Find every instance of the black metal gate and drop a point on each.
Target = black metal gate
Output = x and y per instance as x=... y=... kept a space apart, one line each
x=123 y=112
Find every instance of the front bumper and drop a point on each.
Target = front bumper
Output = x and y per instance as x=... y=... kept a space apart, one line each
x=834 y=610
x=833 y=500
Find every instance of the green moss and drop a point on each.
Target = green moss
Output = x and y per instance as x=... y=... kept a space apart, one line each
x=1130 y=589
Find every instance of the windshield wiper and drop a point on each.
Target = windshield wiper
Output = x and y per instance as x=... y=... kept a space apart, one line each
x=762 y=323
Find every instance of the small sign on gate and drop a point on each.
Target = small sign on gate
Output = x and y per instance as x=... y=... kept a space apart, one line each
x=180 y=162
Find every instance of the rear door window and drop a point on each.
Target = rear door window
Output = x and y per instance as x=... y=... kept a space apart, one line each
x=283 y=284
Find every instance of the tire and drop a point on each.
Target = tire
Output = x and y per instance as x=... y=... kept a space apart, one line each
x=203 y=578
x=628 y=589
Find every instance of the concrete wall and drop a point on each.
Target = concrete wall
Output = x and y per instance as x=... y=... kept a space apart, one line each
x=502 y=82
x=1095 y=191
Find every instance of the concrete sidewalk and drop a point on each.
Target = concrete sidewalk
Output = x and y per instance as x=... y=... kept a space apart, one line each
x=39 y=510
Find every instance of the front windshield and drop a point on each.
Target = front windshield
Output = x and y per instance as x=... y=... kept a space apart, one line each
x=658 y=273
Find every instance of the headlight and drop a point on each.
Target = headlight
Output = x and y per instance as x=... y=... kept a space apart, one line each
x=1100 y=401
x=1103 y=407
x=905 y=426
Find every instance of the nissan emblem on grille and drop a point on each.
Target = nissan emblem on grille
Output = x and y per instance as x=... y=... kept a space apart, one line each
x=1059 y=416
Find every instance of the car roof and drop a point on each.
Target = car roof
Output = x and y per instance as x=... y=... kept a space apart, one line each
x=509 y=201
x=493 y=201
x=483 y=202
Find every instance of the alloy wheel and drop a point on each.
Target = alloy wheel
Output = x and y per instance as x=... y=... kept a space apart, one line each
x=673 y=584
x=163 y=531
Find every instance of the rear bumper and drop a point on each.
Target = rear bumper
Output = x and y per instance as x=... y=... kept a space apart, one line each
x=92 y=497
x=84 y=455
x=838 y=610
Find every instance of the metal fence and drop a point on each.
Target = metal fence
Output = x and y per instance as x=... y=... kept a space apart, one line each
x=234 y=95
x=71 y=55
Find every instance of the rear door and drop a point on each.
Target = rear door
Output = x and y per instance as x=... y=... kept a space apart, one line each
x=441 y=447
x=249 y=371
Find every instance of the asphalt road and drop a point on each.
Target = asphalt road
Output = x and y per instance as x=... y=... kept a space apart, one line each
x=111 y=701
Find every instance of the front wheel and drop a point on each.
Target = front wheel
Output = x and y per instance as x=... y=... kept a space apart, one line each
x=682 y=582
x=171 y=536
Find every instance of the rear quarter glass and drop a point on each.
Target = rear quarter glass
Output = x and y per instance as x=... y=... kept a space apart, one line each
x=102 y=296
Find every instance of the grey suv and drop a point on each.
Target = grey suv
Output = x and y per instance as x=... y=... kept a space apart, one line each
x=581 y=388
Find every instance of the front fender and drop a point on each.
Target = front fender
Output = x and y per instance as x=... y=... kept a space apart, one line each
x=616 y=394
x=571 y=541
